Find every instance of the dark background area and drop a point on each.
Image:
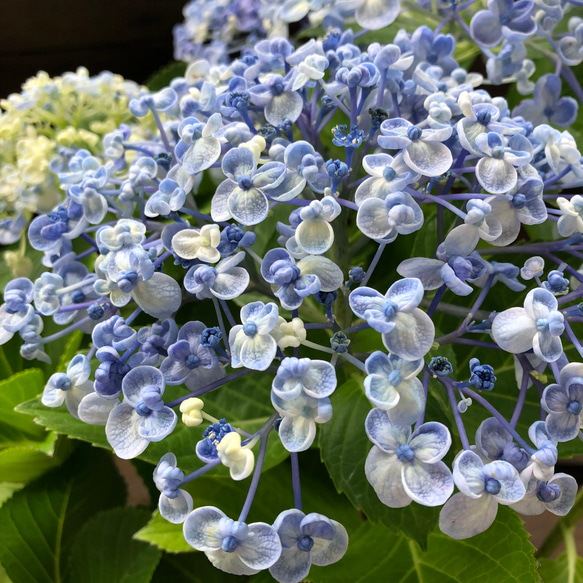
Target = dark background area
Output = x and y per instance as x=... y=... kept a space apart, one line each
x=129 y=37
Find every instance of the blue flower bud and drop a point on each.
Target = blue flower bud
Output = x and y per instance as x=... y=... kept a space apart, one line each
x=440 y=366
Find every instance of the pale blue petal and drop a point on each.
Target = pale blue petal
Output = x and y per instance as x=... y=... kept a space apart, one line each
x=122 y=434
x=424 y=269
x=380 y=392
x=175 y=510
x=495 y=175
x=563 y=426
x=238 y=162
x=513 y=330
x=547 y=346
x=464 y=517
x=79 y=369
x=365 y=298
x=492 y=438
x=411 y=404
x=229 y=562
x=406 y=293
x=378 y=363
x=383 y=471
x=201 y=528
x=430 y=442
x=315 y=236
x=427 y=484
x=383 y=433
x=201 y=155
x=288 y=105
x=320 y=381
x=376 y=14
x=297 y=433
x=563 y=504
x=512 y=489
x=138 y=378
x=269 y=175
x=428 y=158
x=158 y=424
x=329 y=274
x=52 y=397
x=258 y=352
x=230 y=284
x=292 y=566
x=413 y=335
x=94 y=409
x=159 y=297
x=249 y=207
x=262 y=548
x=468 y=474
x=325 y=552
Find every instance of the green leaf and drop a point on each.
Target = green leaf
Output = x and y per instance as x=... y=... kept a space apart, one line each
x=14 y=390
x=164 y=535
x=28 y=460
x=557 y=571
x=105 y=552
x=344 y=447
x=6 y=491
x=502 y=554
x=40 y=522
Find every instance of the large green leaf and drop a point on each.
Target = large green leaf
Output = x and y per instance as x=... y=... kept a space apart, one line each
x=105 y=552
x=192 y=568
x=344 y=447
x=39 y=523
x=502 y=554
x=28 y=460
x=20 y=387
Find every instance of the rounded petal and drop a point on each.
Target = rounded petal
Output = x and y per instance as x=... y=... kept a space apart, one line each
x=201 y=528
x=297 y=433
x=406 y=293
x=325 y=552
x=513 y=330
x=383 y=433
x=175 y=510
x=201 y=155
x=315 y=236
x=376 y=14
x=496 y=175
x=230 y=284
x=563 y=426
x=249 y=207
x=138 y=378
x=427 y=484
x=413 y=335
x=329 y=274
x=380 y=392
x=262 y=548
x=464 y=517
x=258 y=352
x=430 y=442
x=563 y=504
x=122 y=433
x=428 y=158
x=158 y=425
x=486 y=29
x=383 y=471
x=468 y=474
x=94 y=409
x=288 y=105
x=159 y=297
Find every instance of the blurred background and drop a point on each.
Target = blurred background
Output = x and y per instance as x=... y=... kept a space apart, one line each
x=125 y=37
